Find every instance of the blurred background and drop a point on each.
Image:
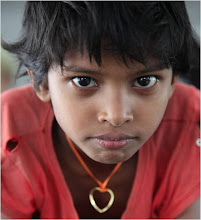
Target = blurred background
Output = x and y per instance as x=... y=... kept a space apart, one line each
x=11 y=18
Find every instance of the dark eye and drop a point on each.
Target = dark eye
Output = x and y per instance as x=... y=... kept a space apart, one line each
x=145 y=81
x=84 y=82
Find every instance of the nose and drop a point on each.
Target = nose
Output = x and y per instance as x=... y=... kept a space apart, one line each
x=116 y=111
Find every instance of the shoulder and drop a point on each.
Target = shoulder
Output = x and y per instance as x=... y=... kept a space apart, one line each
x=177 y=137
x=26 y=135
x=178 y=153
x=181 y=119
x=22 y=112
x=184 y=104
x=21 y=98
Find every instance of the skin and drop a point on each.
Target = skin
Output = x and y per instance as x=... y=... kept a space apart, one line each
x=114 y=103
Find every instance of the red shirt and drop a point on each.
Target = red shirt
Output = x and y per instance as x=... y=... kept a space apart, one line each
x=168 y=169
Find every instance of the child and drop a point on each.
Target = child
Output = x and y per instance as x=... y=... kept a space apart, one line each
x=106 y=131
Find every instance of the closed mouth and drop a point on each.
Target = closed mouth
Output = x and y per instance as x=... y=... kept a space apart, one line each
x=113 y=140
x=114 y=137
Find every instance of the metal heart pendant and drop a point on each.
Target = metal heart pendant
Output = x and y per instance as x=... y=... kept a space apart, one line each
x=93 y=203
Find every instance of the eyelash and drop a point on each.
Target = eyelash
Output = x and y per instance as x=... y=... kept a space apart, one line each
x=75 y=81
x=153 y=79
x=92 y=82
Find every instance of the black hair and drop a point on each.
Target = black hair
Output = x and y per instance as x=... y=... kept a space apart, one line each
x=130 y=30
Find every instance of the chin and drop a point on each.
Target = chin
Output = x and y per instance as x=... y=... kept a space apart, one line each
x=112 y=157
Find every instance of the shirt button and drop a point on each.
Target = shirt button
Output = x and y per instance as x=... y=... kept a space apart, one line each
x=198 y=142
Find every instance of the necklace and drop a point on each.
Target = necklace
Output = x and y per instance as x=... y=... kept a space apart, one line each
x=102 y=185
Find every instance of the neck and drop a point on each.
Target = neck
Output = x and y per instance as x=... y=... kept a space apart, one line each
x=62 y=147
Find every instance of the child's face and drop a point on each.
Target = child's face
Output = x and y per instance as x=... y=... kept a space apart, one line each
x=90 y=101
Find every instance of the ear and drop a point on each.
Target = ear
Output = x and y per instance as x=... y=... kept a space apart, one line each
x=43 y=91
x=173 y=84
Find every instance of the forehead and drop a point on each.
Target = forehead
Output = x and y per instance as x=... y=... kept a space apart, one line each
x=109 y=61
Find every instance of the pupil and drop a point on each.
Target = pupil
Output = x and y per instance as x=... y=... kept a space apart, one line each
x=144 y=81
x=84 y=81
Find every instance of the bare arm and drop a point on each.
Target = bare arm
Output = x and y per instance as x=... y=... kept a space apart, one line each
x=192 y=212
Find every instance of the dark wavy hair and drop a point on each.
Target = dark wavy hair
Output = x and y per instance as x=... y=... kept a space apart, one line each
x=129 y=30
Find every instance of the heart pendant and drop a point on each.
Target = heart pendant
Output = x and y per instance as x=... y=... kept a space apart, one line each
x=93 y=203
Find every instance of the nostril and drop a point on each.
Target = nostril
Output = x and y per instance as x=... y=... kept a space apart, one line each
x=12 y=144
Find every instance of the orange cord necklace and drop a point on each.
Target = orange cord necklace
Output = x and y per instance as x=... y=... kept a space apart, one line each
x=102 y=185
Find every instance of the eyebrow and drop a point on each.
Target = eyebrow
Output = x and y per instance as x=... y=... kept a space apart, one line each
x=77 y=69
x=152 y=68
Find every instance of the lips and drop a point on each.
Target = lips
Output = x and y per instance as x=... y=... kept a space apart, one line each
x=113 y=140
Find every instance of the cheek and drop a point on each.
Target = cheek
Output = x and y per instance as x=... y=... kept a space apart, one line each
x=149 y=117
x=73 y=117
